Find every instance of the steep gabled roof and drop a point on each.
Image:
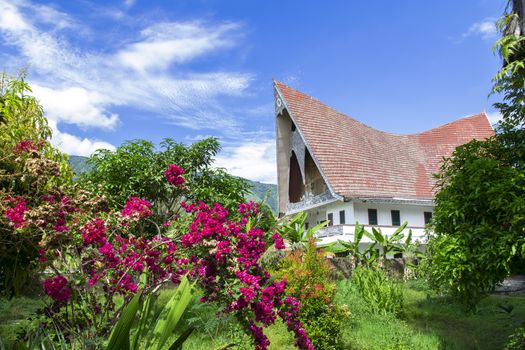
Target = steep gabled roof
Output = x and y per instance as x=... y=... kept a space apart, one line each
x=361 y=162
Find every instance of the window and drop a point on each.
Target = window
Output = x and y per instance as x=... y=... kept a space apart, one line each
x=330 y=219
x=396 y=217
x=342 y=217
x=428 y=217
x=398 y=255
x=306 y=225
x=372 y=216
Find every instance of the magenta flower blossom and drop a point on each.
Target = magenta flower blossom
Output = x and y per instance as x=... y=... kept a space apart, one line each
x=16 y=214
x=136 y=208
x=174 y=175
x=279 y=242
x=94 y=232
x=24 y=146
x=56 y=287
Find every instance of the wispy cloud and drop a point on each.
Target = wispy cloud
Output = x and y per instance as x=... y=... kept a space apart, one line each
x=486 y=29
x=164 y=44
x=80 y=86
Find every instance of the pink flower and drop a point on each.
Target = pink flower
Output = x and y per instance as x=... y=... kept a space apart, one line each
x=16 y=214
x=279 y=242
x=136 y=208
x=42 y=256
x=24 y=146
x=174 y=175
x=56 y=287
x=94 y=232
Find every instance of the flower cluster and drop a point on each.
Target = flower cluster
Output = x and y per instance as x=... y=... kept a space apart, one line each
x=217 y=249
x=94 y=232
x=15 y=214
x=174 y=175
x=290 y=315
x=24 y=146
x=225 y=250
x=278 y=240
x=57 y=288
x=122 y=261
x=61 y=207
x=136 y=208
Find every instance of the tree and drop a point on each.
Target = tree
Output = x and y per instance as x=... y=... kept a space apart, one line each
x=479 y=220
x=29 y=168
x=137 y=168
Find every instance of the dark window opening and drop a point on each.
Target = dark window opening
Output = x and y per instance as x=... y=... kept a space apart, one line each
x=396 y=217
x=306 y=225
x=372 y=216
x=330 y=219
x=293 y=126
x=342 y=217
x=296 y=186
x=428 y=217
x=398 y=255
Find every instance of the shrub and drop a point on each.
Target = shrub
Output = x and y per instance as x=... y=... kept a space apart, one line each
x=516 y=340
x=382 y=294
x=308 y=279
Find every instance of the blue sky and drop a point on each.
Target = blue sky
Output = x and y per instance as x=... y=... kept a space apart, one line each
x=112 y=71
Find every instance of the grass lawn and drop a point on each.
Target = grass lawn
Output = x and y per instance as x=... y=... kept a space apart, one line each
x=431 y=322
x=428 y=322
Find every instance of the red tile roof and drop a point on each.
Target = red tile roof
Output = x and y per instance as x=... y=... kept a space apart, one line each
x=362 y=162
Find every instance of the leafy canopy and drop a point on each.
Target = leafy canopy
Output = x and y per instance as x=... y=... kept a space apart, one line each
x=137 y=169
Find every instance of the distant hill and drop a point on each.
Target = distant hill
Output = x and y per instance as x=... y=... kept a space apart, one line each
x=259 y=189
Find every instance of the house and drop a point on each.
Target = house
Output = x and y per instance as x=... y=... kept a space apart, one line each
x=338 y=169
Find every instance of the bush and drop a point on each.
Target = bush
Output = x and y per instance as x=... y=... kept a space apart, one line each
x=308 y=279
x=382 y=294
x=516 y=340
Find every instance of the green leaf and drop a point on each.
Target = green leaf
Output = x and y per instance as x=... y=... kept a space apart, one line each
x=119 y=339
x=170 y=315
x=177 y=345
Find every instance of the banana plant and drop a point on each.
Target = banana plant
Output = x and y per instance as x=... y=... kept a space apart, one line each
x=389 y=243
x=295 y=231
x=367 y=257
x=149 y=335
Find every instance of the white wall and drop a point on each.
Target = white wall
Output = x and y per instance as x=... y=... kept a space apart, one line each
x=412 y=213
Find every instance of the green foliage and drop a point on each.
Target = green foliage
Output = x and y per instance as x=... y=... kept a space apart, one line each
x=479 y=219
x=28 y=173
x=389 y=244
x=294 y=229
x=516 y=340
x=382 y=294
x=308 y=279
x=479 y=222
x=137 y=169
x=152 y=336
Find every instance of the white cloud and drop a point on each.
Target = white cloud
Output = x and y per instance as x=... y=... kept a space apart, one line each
x=10 y=18
x=486 y=29
x=75 y=105
x=252 y=160
x=74 y=145
x=80 y=87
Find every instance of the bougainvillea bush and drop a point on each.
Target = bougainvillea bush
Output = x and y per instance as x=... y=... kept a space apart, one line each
x=92 y=255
